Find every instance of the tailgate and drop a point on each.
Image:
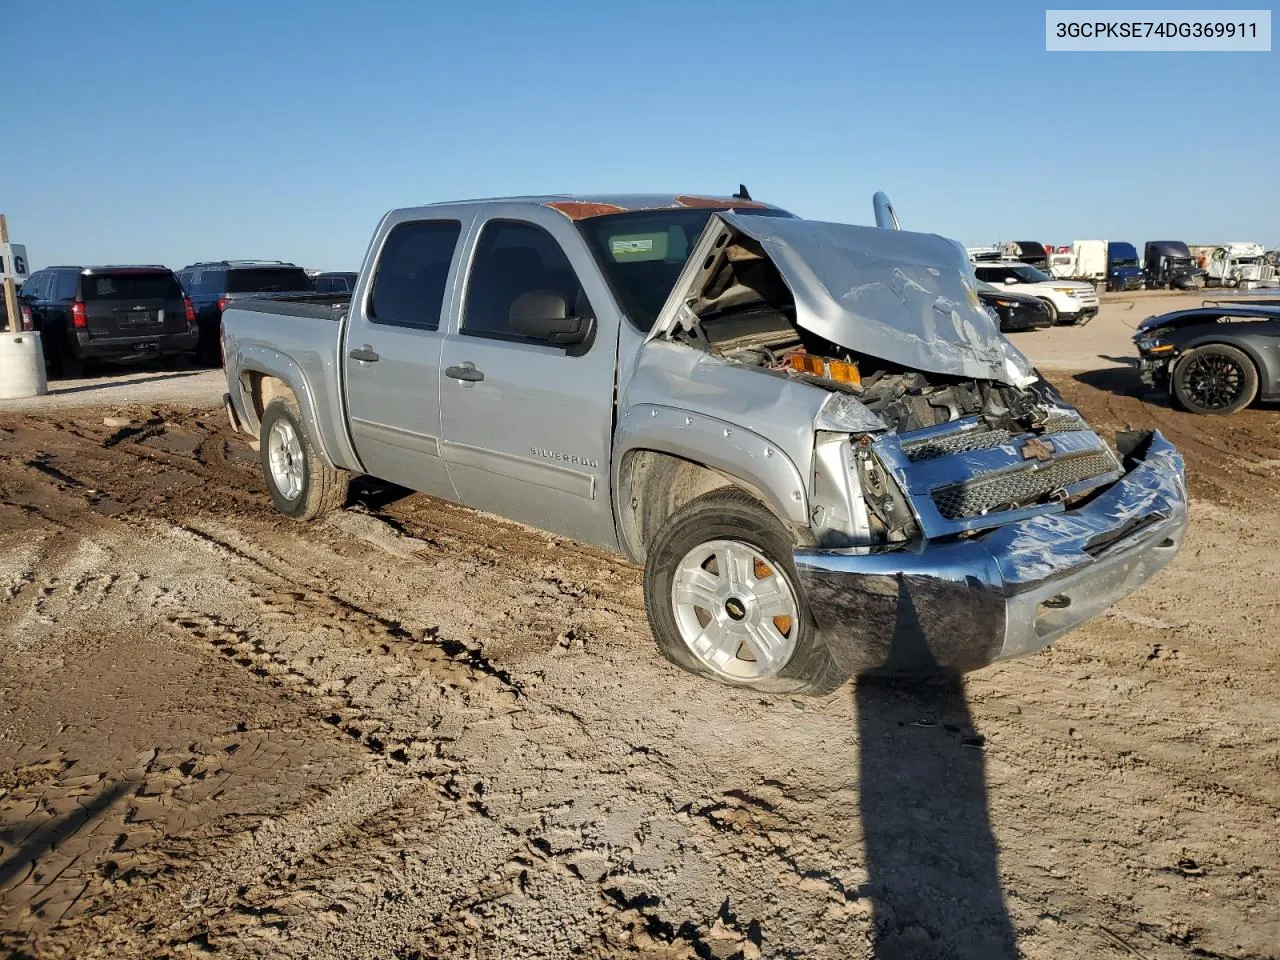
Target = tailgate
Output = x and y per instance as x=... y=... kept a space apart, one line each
x=132 y=304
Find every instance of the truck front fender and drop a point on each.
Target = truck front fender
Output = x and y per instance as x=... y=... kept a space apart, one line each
x=738 y=454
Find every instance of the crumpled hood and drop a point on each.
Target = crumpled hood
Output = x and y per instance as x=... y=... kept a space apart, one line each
x=905 y=297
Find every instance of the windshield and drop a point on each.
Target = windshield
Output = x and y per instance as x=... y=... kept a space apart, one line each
x=268 y=280
x=1027 y=274
x=130 y=286
x=642 y=254
x=1125 y=262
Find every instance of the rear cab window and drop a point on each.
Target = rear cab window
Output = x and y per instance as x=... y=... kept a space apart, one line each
x=268 y=280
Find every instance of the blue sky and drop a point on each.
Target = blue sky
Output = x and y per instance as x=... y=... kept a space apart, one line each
x=165 y=132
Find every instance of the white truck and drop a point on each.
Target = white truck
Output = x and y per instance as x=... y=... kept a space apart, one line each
x=1240 y=264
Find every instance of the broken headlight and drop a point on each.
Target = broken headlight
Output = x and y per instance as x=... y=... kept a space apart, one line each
x=888 y=512
x=841 y=413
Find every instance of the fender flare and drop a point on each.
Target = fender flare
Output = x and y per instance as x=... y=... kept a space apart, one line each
x=725 y=447
x=267 y=361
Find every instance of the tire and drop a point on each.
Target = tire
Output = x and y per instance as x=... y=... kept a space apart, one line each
x=302 y=485
x=59 y=361
x=725 y=525
x=1053 y=312
x=1215 y=380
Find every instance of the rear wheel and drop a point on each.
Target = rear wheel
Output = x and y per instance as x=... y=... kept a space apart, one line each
x=62 y=360
x=1215 y=379
x=302 y=485
x=724 y=600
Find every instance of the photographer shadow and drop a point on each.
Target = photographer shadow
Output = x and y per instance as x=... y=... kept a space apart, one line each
x=932 y=859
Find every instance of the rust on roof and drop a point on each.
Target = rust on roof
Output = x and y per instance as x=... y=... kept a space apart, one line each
x=733 y=204
x=584 y=209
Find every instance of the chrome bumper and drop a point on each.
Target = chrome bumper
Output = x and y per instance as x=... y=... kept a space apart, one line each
x=966 y=603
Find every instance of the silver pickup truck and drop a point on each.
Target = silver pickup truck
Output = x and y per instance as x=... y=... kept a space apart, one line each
x=811 y=434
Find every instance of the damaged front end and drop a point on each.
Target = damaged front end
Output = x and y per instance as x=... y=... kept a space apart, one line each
x=960 y=511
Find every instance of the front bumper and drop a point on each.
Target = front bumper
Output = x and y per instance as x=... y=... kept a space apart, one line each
x=1016 y=321
x=1081 y=316
x=1154 y=370
x=963 y=604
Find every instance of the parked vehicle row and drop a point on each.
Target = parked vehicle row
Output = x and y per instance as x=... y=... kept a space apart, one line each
x=1168 y=264
x=812 y=435
x=1066 y=301
x=122 y=313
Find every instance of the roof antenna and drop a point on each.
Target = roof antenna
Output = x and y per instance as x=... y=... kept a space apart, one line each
x=742 y=193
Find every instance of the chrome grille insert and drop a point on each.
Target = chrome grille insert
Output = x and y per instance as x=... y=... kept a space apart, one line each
x=1063 y=423
x=974 y=498
x=944 y=446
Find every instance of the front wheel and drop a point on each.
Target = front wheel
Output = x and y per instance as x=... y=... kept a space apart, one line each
x=724 y=600
x=302 y=485
x=1215 y=379
x=1053 y=311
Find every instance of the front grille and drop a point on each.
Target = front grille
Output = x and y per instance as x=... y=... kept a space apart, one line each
x=974 y=498
x=1063 y=423
x=944 y=446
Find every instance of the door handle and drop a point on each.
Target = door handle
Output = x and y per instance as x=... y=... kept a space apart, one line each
x=465 y=371
x=364 y=354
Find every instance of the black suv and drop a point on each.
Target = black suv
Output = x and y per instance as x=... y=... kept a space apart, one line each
x=212 y=285
x=107 y=313
x=335 y=282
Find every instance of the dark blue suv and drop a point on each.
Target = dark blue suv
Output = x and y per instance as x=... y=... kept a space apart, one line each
x=214 y=284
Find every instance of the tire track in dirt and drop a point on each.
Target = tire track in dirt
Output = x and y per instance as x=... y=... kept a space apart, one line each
x=576 y=820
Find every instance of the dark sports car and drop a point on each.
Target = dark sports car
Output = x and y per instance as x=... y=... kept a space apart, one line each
x=1014 y=311
x=1217 y=358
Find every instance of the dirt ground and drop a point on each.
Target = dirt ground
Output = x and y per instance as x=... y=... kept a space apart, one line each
x=414 y=731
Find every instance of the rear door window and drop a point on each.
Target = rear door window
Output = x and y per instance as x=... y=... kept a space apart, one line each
x=128 y=286
x=268 y=280
x=34 y=287
x=413 y=271
x=63 y=286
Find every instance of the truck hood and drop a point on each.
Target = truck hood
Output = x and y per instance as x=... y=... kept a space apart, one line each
x=908 y=298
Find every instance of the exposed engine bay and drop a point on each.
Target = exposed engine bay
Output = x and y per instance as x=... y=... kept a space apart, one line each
x=746 y=316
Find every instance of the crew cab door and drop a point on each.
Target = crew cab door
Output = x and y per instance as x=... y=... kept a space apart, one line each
x=391 y=356
x=528 y=423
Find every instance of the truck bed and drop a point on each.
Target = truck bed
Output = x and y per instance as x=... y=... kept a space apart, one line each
x=278 y=335
x=320 y=306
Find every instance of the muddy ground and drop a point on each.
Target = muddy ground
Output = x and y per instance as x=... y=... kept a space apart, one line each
x=415 y=731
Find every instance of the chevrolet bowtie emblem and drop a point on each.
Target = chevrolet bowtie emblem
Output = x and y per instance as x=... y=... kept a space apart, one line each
x=1037 y=448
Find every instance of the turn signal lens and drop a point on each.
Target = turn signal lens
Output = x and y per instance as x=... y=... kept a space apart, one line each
x=804 y=363
x=842 y=372
x=836 y=370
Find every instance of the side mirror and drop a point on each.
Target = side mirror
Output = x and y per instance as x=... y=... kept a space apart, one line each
x=1009 y=281
x=545 y=315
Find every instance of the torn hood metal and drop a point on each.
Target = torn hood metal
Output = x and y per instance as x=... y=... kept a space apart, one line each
x=908 y=298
